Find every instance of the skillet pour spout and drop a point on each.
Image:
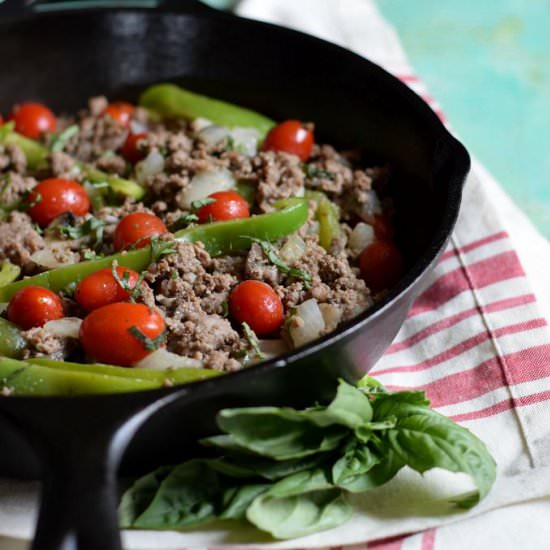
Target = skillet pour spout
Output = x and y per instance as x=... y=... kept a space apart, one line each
x=77 y=445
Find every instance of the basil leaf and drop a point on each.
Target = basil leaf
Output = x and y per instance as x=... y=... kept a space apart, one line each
x=8 y=273
x=279 y=433
x=236 y=500
x=187 y=496
x=137 y=498
x=250 y=466
x=349 y=408
x=299 y=505
x=357 y=460
x=424 y=439
x=379 y=474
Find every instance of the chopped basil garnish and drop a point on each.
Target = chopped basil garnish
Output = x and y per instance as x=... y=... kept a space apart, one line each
x=59 y=142
x=92 y=228
x=198 y=204
x=314 y=172
x=252 y=340
x=150 y=344
x=274 y=258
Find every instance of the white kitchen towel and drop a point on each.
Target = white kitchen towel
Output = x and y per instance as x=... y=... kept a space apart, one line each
x=476 y=340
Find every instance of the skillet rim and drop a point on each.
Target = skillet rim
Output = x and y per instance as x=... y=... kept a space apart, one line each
x=457 y=159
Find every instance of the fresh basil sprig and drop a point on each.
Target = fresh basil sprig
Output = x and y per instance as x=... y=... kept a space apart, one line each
x=288 y=471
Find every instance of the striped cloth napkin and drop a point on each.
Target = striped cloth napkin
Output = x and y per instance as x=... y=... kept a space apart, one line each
x=474 y=340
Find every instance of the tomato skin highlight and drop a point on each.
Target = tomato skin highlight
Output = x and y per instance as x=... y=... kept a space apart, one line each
x=257 y=304
x=130 y=151
x=381 y=265
x=54 y=197
x=137 y=229
x=33 y=119
x=105 y=333
x=291 y=137
x=101 y=288
x=33 y=306
x=120 y=111
x=227 y=205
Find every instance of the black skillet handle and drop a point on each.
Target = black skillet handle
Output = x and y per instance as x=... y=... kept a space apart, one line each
x=78 y=509
x=80 y=447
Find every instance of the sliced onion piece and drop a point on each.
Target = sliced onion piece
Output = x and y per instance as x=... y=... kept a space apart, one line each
x=245 y=141
x=68 y=327
x=213 y=134
x=370 y=207
x=307 y=324
x=162 y=359
x=206 y=183
x=46 y=257
x=293 y=249
x=332 y=315
x=137 y=127
x=150 y=166
x=361 y=237
x=199 y=124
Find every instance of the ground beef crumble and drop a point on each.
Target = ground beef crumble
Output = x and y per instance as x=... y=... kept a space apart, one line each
x=19 y=240
x=188 y=287
x=190 y=293
x=333 y=281
x=41 y=343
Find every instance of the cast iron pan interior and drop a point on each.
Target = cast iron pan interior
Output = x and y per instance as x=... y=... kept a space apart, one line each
x=64 y=58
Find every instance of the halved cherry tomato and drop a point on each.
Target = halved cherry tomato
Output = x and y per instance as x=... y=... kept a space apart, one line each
x=383 y=228
x=227 y=205
x=130 y=150
x=121 y=333
x=101 y=288
x=33 y=306
x=33 y=119
x=290 y=136
x=137 y=229
x=120 y=112
x=381 y=265
x=256 y=303
x=55 y=196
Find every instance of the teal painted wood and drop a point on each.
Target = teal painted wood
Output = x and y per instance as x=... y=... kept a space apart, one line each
x=488 y=63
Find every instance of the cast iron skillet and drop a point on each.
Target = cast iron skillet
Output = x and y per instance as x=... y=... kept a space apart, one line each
x=76 y=445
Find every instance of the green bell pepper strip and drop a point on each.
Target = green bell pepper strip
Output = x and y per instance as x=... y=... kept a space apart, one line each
x=12 y=342
x=218 y=238
x=328 y=216
x=171 y=101
x=8 y=273
x=46 y=377
x=36 y=155
x=174 y=377
x=22 y=378
x=247 y=191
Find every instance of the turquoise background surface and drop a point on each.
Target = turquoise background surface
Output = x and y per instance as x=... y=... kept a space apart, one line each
x=488 y=64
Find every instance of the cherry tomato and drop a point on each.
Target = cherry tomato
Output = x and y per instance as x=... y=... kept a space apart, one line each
x=383 y=229
x=130 y=151
x=119 y=333
x=257 y=304
x=55 y=196
x=33 y=306
x=381 y=265
x=101 y=288
x=137 y=229
x=120 y=112
x=33 y=119
x=290 y=136
x=227 y=205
